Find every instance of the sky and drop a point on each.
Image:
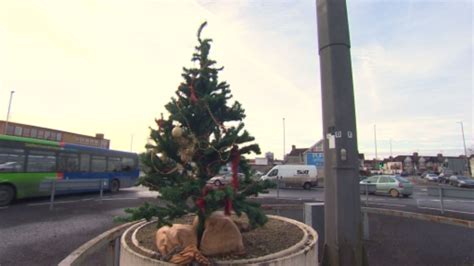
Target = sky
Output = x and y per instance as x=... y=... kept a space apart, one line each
x=110 y=66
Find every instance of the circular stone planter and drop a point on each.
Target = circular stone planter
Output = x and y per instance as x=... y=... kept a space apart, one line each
x=305 y=252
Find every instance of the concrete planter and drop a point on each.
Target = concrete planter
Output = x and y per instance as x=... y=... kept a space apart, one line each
x=305 y=252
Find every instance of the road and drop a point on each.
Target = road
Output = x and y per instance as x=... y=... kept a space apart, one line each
x=418 y=202
x=31 y=234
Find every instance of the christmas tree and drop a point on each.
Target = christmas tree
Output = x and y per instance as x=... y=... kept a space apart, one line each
x=202 y=133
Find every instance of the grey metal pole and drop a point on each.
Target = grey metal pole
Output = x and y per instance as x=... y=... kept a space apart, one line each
x=53 y=192
x=343 y=222
x=465 y=150
x=101 y=188
x=8 y=112
x=375 y=141
x=284 y=140
x=391 y=155
x=278 y=187
x=441 y=199
x=366 y=225
x=367 y=194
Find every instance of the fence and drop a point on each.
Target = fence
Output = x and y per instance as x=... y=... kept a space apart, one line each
x=367 y=189
x=65 y=185
x=450 y=192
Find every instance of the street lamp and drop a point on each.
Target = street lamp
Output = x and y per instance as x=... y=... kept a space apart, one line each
x=8 y=112
x=375 y=141
x=465 y=151
x=284 y=140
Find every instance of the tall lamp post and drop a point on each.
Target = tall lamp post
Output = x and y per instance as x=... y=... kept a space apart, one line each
x=465 y=150
x=342 y=213
x=8 y=112
x=284 y=140
x=375 y=141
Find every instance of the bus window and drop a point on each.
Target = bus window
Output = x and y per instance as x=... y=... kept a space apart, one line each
x=12 y=160
x=98 y=164
x=68 y=162
x=41 y=161
x=113 y=164
x=85 y=162
x=128 y=164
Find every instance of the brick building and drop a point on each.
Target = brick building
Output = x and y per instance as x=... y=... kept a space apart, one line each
x=29 y=131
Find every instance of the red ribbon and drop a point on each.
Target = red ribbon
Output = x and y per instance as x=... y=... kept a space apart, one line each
x=160 y=123
x=227 y=206
x=201 y=204
x=194 y=98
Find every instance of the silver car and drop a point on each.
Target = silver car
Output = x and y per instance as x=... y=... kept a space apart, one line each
x=431 y=177
x=221 y=180
x=395 y=186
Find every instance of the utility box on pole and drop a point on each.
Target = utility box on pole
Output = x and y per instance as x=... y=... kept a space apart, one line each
x=343 y=224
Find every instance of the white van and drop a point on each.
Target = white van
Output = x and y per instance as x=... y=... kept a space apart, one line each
x=293 y=175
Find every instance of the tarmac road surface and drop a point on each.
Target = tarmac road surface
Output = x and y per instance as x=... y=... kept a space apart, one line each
x=31 y=234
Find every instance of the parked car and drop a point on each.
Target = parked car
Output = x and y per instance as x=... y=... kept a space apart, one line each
x=443 y=178
x=390 y=184
x=404 y=173
x=461 y=181
x=431 y=177
x=221 y=180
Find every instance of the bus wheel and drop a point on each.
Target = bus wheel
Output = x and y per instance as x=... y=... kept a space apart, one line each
x=7 y=194
x=307 y=185
x=114 y=186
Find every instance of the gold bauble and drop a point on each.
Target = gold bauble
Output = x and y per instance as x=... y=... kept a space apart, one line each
x=177 y=132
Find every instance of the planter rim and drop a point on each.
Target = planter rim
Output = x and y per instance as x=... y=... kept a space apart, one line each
x=124 y=245
x=310 y=237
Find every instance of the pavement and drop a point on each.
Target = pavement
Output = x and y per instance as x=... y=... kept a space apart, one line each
x=401 y=241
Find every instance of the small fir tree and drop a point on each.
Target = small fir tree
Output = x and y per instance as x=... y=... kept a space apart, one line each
x=202 y=133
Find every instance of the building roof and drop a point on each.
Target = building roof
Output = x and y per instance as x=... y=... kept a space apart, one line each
x=317 y=147
x=297 y=151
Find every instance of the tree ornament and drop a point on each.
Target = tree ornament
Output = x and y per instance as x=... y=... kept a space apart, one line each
x=160 y=122
x=162 y=157
x=180 y=168
x=185 y=157
x=194 y=98
x=177 y=132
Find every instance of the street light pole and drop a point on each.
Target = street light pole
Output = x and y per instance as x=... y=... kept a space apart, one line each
x=391 y=155
x=8 y=112
x=465 y=150
x=375 y=141
x=284 y=140
x=342 y=213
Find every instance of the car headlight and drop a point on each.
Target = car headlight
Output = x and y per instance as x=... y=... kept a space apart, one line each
x=462 y=182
